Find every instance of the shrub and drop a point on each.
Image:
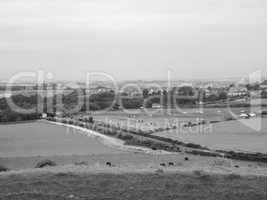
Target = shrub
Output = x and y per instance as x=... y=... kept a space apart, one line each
x=203 y=153
x=3 y=168
x=45 y=163
x=125 y=137
x=212 y=122
x=196 y=146
x=81 y=124
x=110 y=132
x=91 y=120
x=230 y=118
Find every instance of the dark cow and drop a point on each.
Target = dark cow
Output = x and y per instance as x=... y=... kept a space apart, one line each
x=171 y=164
x=108 y=164
x=163 y=164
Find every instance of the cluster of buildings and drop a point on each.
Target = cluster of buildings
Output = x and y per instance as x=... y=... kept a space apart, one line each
x=231 y=91
x=239 y=90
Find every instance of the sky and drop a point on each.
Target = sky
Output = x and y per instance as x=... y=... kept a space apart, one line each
x=133 y=39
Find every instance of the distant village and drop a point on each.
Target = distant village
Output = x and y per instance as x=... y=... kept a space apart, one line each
x=209 y=91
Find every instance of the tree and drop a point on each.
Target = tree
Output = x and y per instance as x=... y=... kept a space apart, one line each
x=145 y=93
x=91 y=120
x=212 y=97
x=223 y=95
x=186 y=91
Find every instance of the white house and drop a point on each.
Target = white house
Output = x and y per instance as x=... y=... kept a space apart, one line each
x=237 y=91
x=156 y=106
x=44 y=115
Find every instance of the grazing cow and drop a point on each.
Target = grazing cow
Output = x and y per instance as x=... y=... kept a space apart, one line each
x=236 y=166
x=108 y=164
x=163 y=164
x=186 y=158
x=171 y=164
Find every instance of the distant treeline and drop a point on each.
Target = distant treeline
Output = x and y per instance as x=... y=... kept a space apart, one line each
x=99 y=101
x=9 y=115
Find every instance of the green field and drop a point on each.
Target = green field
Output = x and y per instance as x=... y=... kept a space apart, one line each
x=244 y=135
x=132 y=186
x=162 y=118
x=238 y=135
x=45 y=139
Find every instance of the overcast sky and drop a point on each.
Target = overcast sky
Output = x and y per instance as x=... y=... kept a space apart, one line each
x=133 y=39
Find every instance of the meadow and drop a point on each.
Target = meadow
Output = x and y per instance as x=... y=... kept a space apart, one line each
x=221 y=131
x=247 y=135
x=132 y=186
x=153 y=119
x=45 y=139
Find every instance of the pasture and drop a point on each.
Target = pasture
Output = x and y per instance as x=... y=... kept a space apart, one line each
x=249 y=135
x=45 y=139
x=238 y=135
x=132 y=186
x=155 y=119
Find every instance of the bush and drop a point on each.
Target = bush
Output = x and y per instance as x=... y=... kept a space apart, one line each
x=3 y=168
x=203 y=153
x=91 y=120
x=230 y=118
x=127 y=137
x=45 y=163
x=195 y=146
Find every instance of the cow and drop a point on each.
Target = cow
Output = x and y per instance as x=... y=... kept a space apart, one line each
x=163 y=164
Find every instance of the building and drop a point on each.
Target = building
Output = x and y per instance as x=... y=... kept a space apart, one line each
x=156 y=106
x=237 y=91
x=44 y=115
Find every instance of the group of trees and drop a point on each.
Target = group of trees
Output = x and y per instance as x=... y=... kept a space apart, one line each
x=264 y=94
x=8 y=114
x=11 y=116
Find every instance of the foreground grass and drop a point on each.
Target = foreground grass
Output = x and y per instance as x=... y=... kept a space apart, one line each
x=132 y=186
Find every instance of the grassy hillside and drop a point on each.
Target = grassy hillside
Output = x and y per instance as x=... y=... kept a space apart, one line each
x=132 y=186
